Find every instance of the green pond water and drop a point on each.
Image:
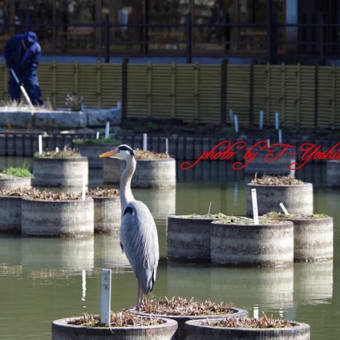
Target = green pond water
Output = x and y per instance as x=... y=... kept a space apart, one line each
x=43 y=279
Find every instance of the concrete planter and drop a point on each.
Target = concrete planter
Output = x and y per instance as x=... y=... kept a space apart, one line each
x=313 y=238
x=14 y=182
x=333 y=173
x=60 y=120
x=252 y=245
x=10 y=214
x=92 y=152
x=107 y=214
x=61 y=330
x=298 y=199
x=60 y=172
x=160 y=173
x=196 y=331
x=278 y=167
x=181 y=319
x=57 y=218
x=188 y=238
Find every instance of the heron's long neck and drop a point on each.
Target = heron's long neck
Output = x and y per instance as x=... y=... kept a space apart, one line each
x=126 y=195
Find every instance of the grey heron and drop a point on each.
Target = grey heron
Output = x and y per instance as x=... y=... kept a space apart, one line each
x=138 y=232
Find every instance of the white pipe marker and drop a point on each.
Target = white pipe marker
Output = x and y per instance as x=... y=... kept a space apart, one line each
x=167 y=146
x=291 y=171
x=280 y=136
x=105 y=302
x=107 y=129
x=236 y=123
x=97 y=135
x=261 y=120
x=83 y=285
x=57 y=149
x=231 y=117
x=40 y=146
x=285 y=211
x=145 y=141
x=277 y=120
x=209 y=209
x=255 y=209
x=268 y=143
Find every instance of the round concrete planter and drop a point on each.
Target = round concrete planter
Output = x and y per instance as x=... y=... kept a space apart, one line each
x=277 y=167
x=60 y=172
x=57 y=218
x=160 y=173
x=196 y=331
x=10 y=214
x=188 y=238
x=252 y=245
x=298 y=199
x=181 y=319
x=313 y=238
x=92 y=152
x=14 y=182
x=107 y=213
x=62 y=330
x=333 y=173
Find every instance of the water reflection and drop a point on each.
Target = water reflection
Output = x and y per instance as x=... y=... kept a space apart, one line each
x=313 y=282
x=108 y=253
x=49 y=257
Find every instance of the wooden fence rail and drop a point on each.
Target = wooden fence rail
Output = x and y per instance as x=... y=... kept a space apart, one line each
x=305 y=96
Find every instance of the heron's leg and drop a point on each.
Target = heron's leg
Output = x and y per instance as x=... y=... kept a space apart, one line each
x=139 y=296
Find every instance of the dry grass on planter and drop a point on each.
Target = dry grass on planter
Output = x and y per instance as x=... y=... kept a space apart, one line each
x=120 y=319
x=182 y=306
x=149 y=155
x=218 y=216
x=103 y=192
x=64 y=153
x=274 y=214
x=34 y=193
x=276 y=180
x=261 y=323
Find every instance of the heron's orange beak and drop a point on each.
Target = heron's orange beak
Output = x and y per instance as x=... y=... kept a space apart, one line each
x=108 y=154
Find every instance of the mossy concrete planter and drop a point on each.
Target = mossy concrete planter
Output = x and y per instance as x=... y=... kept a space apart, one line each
x=188 y=238
x=61 y=330
x=313 y=238
x=10 y=214
x=196 y=331
x=57 y=218
x=252 y=245
x=181 y=319
x=160 y=173
x=92 y=152
x=333 y=173
x=107 y=213
x=298 y=199
x=14 y=182
x=277 y=167
x=60 y=172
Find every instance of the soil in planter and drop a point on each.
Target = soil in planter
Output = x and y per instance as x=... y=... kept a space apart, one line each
x=149 y=155
x=120 y=319
x=274 y=214
x=103 y=192
x=218 y=216
x=276 y=180
x=260 y=323
x=178 y=306
x=239 y=220
x=64 y=153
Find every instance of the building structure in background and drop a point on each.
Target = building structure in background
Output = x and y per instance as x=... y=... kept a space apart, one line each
x=242 y=28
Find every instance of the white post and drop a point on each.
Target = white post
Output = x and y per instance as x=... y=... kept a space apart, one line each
x=255 y=210
x=277 y=120
x=83 y=285
x=291 y=171
x=145 y=141
x=235 y=193
x=255 y=312
x=280 y=136
x=107 y=129
x=56 y=149
x=97 y=135
x=105 y=303
x=268 y=143
x=209 y=209
x=83 y=191
x=236 y=123
x=231 y=117
x=40 y=145
x=261 y=120
x=167 y=146
x=285 y=211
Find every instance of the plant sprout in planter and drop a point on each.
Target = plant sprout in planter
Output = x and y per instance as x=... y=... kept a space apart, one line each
x=17 y=172
x=64 y=153
x=149 y=155
x=275 y=180
x=74 y=101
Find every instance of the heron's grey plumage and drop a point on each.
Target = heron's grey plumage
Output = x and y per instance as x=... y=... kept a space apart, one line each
x=138 y=232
